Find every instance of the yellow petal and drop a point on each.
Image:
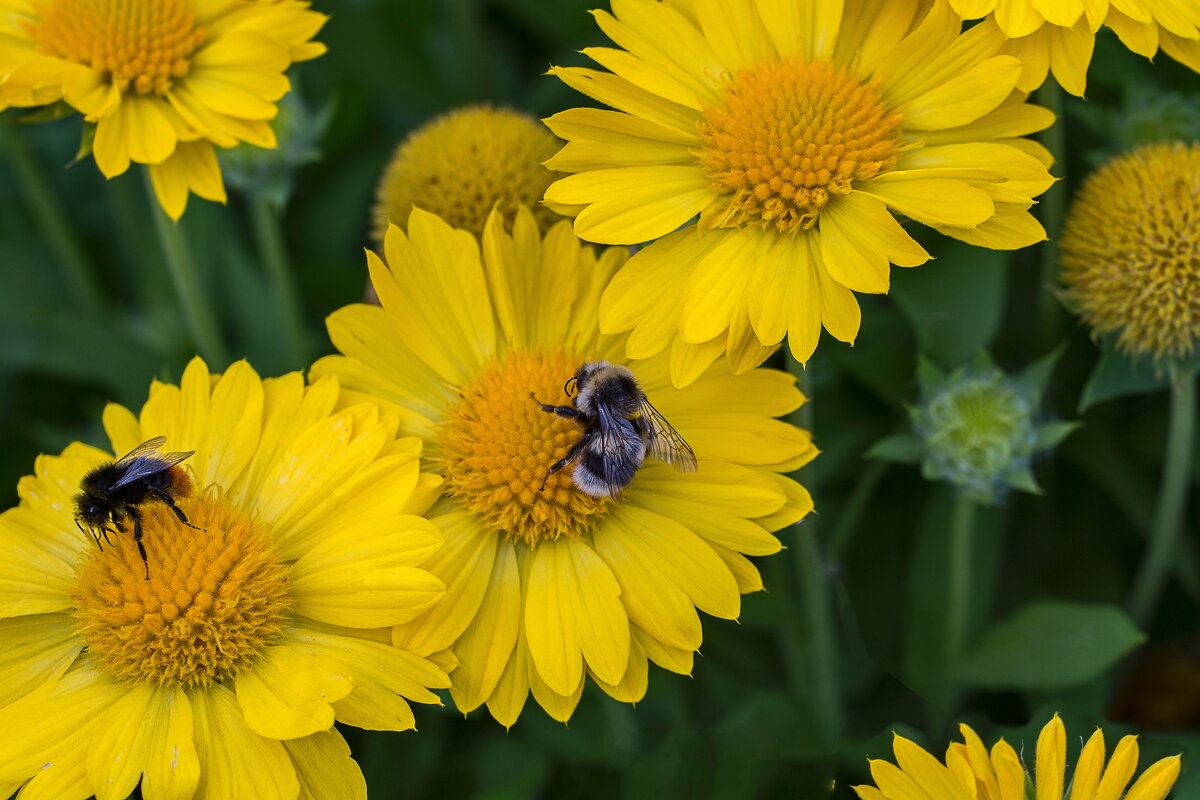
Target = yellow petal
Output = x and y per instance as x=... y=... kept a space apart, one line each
x=192 y=167
x=137 y=130
x=172 y=769
x=234 y=760
x=933 y=201
x=37 y=651
x=1051 y=760
x=634 y=681
x=486 y=646
x=573 y=613
x=674 y=659
x=324 y=768
x=1120 y=769
x=1086 y=777
x=630 y=205
x=860 y=240
x=287 y=693
x=965 y=97
x=624 y=96
x=361 y=575
x=464 y=565
x=717 y=287
x=652 y=599
x=1070 y=55
x=1156 y=781
x=385 y=678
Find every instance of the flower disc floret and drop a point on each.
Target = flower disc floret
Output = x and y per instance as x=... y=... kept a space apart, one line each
x=141 y=45
x=216 y=598
x=1131 y=250
x=497 y=445
x=789 y=136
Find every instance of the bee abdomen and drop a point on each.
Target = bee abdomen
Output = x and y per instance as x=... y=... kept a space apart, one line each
x=602 y=476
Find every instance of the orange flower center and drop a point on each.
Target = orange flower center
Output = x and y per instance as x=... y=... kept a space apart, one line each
x=787 y=137
x=214 y=599
x=141 y=45
x=497 y=446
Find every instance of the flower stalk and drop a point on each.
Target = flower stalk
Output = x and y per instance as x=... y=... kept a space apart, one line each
x=1172 y=498
x=197 y=311
x=268 y=235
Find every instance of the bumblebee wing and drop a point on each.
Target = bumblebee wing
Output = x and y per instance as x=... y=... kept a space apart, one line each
x=146 y=448
x=664 y=442
x=145 y=460
x=617 y=439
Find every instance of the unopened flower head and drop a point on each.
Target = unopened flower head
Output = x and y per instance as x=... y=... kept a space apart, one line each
x=1131 y=250
x=163 y=80
x=978 y=429
x=216 y=666
x=463 y=163
x=1001 y=773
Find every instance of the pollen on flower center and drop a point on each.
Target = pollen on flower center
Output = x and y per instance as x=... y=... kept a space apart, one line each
x=789 y=136
x=214 y=599
x=497 y=444
x=142 y=45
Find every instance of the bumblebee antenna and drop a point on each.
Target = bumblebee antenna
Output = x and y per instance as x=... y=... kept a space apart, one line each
x=568 y=389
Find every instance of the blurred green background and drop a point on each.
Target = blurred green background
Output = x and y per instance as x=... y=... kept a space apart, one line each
x=747 y=723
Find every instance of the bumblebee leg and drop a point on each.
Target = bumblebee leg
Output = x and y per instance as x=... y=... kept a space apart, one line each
x=170 y=501
x=571 y=455
x=137 y=539
x=562 y=411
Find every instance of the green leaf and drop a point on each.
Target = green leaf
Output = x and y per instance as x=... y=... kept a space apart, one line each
x=1051 y=645
x=1036 y=376
x=955 y=303
x=930 y=377
x=1117 y=374
x=1022 y=480
x=1050 y=434
x=900 y=448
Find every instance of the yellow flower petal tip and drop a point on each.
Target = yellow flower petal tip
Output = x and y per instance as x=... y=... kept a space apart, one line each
x=224 y=657
x=463 y=163
x=164 y=81
x=971 y=770
x=549 y=586
x=1129 y=250
x=1058 y=36
x=796 y=142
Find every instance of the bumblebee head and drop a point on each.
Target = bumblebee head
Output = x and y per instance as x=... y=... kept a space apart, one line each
x=91 y=512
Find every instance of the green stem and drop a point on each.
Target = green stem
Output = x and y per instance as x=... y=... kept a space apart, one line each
x=1172 y=500
x=1052 y=206
x=50 y=217
x=268 y=232
x=852 y=511
x=816 y=616
x=958 y=603
x=196 y=310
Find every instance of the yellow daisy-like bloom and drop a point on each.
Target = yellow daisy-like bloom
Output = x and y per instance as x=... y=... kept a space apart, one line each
x=463 y=163
x=1058 y=35
x=163 y=80
x=1131 y=250
x=971 y=772
x=221 y=672
x=547 y=586
x=793 y=130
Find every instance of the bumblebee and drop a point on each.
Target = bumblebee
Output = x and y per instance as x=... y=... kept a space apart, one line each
x=112 y=494
x=620 y=430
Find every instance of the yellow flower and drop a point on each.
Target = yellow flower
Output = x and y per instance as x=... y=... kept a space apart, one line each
x=464 y=162
x=163 y=80
x=1058 y=35
x=217 y=668
x=547 y=586
x=793 y=130
x=1131 y=250
x=972 y=773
